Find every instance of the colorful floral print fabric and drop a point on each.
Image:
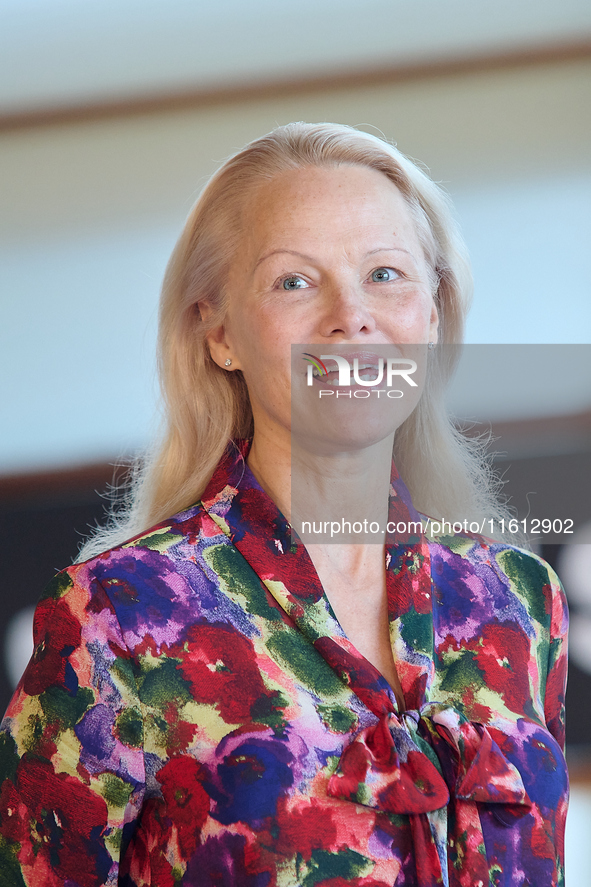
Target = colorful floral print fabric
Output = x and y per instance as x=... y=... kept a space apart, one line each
x=193 y=714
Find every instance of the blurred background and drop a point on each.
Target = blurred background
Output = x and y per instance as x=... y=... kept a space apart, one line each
x=112 y=117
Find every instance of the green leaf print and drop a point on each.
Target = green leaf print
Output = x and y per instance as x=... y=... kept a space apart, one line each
x=240 y=579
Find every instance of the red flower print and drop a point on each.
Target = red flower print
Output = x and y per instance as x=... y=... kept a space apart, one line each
x=187 y=802
x=474 y=710
x=14 y=825
x=222 y=670
x=68 y=821
x=502 y=657
x=145 y=861
x=57 y=634
x=409 y=583
x=256 y=509
x=542 y=839
x=305 y=828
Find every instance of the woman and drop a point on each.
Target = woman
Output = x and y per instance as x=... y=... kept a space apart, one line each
x=212 y=702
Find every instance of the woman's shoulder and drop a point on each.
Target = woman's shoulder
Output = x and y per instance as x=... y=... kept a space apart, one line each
x=140 y=566
x=500 y=564
x=184 y=526
x=467 y=538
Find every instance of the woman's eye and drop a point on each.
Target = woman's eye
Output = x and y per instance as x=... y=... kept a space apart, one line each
x=293 y=282
x=384 y=274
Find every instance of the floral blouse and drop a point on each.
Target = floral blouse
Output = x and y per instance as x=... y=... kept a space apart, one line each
x=194 y=714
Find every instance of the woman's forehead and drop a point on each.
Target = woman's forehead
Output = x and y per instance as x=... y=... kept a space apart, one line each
x=317 y=184
x=319 y=204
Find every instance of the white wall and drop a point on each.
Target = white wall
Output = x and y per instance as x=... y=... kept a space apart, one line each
x=578 y=845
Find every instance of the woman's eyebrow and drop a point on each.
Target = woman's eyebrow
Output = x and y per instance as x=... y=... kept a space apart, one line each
x=292 y=252
x=389 y=249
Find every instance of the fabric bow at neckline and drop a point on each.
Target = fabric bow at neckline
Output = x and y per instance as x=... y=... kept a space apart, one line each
x=434 y=766
x=413 y=762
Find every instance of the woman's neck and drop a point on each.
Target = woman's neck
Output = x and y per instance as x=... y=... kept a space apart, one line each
x=316 y=490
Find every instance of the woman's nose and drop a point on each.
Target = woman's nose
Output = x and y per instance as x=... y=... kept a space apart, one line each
x=346 y=314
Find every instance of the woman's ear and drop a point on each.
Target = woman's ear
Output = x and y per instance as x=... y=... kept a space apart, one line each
x=216 y=338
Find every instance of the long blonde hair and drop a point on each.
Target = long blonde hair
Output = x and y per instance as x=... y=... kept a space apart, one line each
x=206 y=407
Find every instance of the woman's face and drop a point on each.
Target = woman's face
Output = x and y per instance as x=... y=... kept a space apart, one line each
x=329 y=257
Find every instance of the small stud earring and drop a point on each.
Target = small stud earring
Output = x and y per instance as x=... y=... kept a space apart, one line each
x=228 y=362
x=431 y=346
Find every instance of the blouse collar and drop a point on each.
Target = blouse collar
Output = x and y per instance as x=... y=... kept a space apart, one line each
x=261 y=533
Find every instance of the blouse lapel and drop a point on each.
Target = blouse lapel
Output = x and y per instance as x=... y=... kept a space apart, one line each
x=263 y=536
x=410 y=598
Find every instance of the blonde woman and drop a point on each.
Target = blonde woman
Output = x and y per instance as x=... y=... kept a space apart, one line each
x=212 y=701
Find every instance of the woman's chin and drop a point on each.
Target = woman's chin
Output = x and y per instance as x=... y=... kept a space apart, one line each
x=342 y=439
x=348 y=420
